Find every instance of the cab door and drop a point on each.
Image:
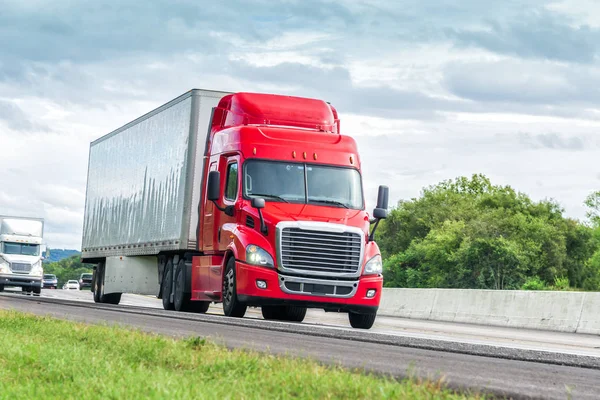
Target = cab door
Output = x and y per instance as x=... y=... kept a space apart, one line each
x=229 y=171
x=208 y=219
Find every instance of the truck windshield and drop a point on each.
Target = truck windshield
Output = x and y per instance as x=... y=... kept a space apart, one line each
x=24 y=249
x=303 y=183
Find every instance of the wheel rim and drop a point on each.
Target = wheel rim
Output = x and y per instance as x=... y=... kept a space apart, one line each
x=228 y=287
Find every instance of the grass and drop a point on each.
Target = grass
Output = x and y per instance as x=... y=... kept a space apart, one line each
x=43 y=357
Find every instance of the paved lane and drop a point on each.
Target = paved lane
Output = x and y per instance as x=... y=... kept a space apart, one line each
x=559 y=342
x=464 y=371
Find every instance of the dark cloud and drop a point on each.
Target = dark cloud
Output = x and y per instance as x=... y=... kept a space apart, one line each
x=516 y=81
x=335 y=85
x=534 y=35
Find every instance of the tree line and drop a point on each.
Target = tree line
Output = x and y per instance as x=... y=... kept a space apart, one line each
x=468 y=233
x=67 y=268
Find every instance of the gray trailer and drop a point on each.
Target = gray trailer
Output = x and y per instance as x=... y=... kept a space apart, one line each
x=143 y=188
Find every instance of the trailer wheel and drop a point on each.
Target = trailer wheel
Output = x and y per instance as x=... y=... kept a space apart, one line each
x=112 y=298
x=98 y=281
x=232 y=307
x=99 y=295
x=361 y=321
x=168 y=286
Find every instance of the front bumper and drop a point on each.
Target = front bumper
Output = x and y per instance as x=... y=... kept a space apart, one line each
x=50 y=285
x=356 y=301
x=20 y=280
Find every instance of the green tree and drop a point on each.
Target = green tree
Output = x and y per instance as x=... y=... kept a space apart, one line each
x=68 y=268
x=469 y=233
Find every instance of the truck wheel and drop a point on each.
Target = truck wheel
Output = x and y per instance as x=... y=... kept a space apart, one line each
x=231 y=305
x=1 y=288
x=200 y=307
x=271 y=312
x=37 y=290
x=181 y=299
x=98 y=282
x=361 y=321
x=167 y=286
x=112 y=298
x=284 y=313
x=294 y=313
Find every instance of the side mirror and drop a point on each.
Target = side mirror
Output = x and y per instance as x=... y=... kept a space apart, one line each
x=383 y=197
x=213 y=186
x=258 y=202
x=380 y=212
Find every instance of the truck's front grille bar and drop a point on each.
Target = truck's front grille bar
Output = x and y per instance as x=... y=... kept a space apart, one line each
x=321 y=252
x=22 y=268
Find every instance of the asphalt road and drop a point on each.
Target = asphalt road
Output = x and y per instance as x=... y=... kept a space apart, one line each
x=399 y=355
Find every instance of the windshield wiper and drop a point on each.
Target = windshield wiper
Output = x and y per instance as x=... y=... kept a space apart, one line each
x=330 y=202
x=270 y=196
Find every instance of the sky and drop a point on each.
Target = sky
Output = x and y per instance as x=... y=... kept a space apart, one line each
x=431 y=90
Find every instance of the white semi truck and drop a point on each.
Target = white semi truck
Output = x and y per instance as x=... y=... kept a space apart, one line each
x=21 y=253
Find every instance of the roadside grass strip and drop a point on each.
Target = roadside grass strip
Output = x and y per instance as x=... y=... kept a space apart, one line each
x=48 y=358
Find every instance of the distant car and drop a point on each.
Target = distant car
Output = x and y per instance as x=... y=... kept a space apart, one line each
x=50 y=282
x=72 y=284
x=85 y=280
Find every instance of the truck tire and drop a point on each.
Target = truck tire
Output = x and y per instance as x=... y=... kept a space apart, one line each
x=98 y=283
x=181 y=299
x=199 y=307
x=1 y=288
x=271 y=312
x=294 y=313
x=37 y=290
x=361 y=321
x=112 y=298
x=99 y=295
x=168 y=286
x=232 y=307
x=284 y=313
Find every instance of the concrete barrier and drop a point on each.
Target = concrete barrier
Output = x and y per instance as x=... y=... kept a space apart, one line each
x=555 y=311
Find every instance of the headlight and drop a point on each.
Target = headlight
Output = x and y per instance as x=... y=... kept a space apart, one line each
x=374 y=266
x=37 y=269
x=258 y=256
x=3 y=266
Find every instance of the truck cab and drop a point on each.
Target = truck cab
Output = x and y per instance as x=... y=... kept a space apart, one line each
x=21 y=253
x=284 y=213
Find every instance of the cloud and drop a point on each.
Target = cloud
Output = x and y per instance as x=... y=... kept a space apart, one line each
x=536 y=34
x=552 y=141
x=430 y=90
x=14 y=117
x=523 y=81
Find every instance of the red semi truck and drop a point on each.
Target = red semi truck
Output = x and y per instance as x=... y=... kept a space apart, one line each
x=252 y=200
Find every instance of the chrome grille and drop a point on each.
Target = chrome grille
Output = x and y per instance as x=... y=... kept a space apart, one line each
x=320 y=252
x=20 y=267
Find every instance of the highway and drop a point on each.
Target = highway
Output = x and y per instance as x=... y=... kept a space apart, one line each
x=508 y=362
